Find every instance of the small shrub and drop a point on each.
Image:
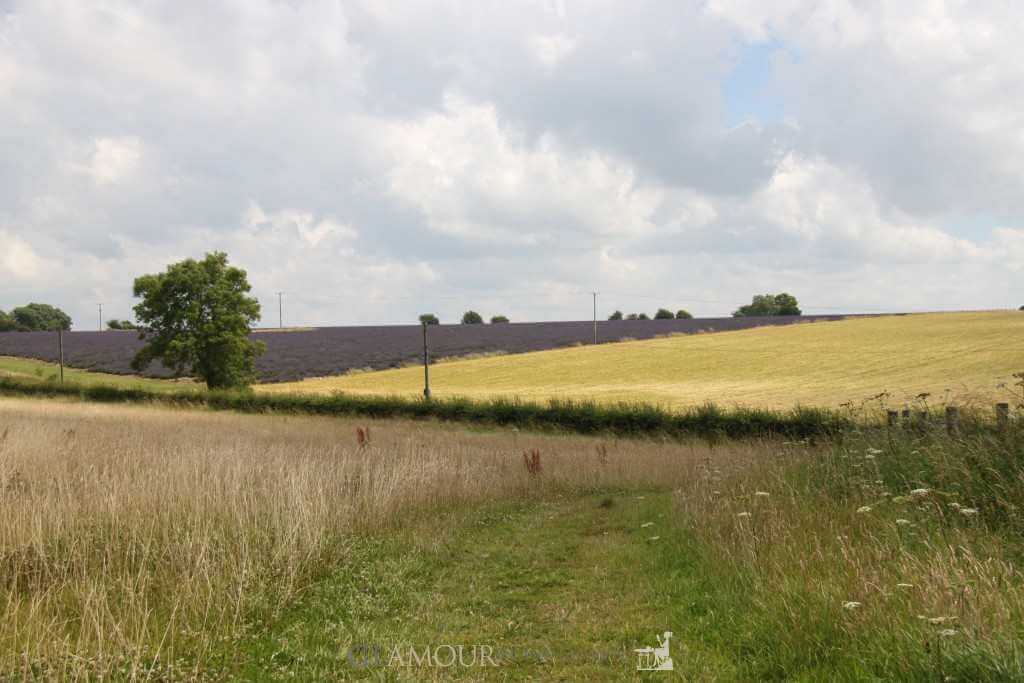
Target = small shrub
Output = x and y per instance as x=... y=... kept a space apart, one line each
x=472 y=318
x=498 y=319
x=663 y=314
x=683 y=314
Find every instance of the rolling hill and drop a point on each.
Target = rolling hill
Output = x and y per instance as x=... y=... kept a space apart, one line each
x=967 y=356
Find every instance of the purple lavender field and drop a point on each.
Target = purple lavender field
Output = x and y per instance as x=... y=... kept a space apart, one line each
x=318 y=352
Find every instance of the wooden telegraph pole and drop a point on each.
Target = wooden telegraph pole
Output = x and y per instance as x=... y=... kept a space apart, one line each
x=60 y=352
x=426 y=365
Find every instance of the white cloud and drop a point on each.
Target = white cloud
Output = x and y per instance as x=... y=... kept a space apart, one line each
x=375 y=159
x=18 y=261
x=550 y=50
x=113 y=159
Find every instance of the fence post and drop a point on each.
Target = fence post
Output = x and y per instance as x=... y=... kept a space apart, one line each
x=952 y=420
x=1002 y=416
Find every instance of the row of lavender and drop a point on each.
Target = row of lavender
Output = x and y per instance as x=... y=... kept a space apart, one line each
x=293 y=355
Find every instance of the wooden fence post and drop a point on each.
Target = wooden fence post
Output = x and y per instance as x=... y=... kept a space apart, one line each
x=1002 y=416
x=952 y=420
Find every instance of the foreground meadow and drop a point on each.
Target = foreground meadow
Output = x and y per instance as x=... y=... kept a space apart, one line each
x=138 y=542
x=967 y=356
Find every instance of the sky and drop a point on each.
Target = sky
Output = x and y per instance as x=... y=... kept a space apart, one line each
x=374 y=160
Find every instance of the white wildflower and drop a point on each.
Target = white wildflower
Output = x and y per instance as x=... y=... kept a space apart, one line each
x=904 y=585
x=851 y=605
x=968 y=512
x=940 y=620
x=864 y=508
x=947 y=632
x=654 y=538
x=869 y=457
x=955 y=506
x=762 y=494
x=874 y=451
x=904 y=522
x=743 y=514
x=646 y=524
x=920 y=493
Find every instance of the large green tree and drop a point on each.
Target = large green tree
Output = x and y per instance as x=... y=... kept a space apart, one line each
x=769 y=304
x=7 y=323
x=38 y=317
x=196 y=318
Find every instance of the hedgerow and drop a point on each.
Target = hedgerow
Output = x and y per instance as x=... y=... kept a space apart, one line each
x=583 y=417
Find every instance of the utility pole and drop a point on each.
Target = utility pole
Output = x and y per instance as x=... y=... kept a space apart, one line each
x=101 y=316
x=60 y=352
x=426 y=365
x=595 y=317
x=280 y=311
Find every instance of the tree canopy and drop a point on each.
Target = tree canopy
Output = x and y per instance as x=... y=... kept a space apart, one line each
x=38 y=317
x=429 y=319
x=115 y=324
x=617 y=315
x=498 y=319
x=769 y=304
x=197 y=316
x=472 y=318
x=683 y=314
x=7 y=323
x=663 y=314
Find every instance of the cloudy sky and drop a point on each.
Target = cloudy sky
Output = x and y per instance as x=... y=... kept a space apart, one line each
x=375 y=159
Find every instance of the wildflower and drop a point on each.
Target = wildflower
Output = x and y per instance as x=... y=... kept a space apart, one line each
x=904 y=522
x=968 y=512
x=904 y=585
x=947 y=632
x=874 y=451
x=743 y=514
x=762 y=494
x=920 y=493
x=646 y=524
x=899 y=499
x=864 y=508
x=940 y=620
x=955 y=506
x=869 y=457
x=851 y=605
x=654 y=538
x=716 y=493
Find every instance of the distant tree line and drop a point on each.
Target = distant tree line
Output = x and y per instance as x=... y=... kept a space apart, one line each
x=34 y=318
x=468 y=318
x=770 y=305
x=662 y=314
x=114 y=324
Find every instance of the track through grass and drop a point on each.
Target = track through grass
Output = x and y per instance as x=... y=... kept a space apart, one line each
x=559 y=590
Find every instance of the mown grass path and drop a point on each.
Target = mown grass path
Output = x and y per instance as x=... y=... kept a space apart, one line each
x=560 y=590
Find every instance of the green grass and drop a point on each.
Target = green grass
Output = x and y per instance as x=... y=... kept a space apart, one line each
x=27 y=369
x=561 y=589
x=966 y=356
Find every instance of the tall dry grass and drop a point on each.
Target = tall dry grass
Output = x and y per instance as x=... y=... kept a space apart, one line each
x=139 y=541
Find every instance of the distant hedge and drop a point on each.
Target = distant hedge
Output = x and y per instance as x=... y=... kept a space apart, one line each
x=564 y=415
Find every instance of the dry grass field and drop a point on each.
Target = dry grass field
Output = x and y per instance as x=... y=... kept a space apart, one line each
x=146 y=543
x=964 y=355
x=134 y=536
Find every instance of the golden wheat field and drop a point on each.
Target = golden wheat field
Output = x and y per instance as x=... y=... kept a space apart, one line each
x=968 y=357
